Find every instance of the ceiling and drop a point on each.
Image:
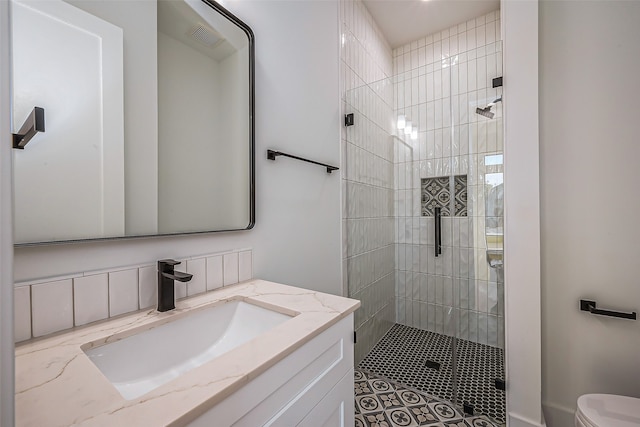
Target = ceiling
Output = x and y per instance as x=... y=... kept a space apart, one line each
x=402 y=21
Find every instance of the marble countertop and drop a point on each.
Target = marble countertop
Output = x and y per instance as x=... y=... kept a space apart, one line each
x=57 y=384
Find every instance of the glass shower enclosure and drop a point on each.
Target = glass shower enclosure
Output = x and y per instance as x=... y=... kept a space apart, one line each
x=424 y=224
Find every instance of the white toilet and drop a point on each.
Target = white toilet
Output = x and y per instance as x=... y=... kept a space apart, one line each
x=607 y=410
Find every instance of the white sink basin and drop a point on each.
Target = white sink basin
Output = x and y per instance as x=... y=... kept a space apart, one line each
x=140 y=363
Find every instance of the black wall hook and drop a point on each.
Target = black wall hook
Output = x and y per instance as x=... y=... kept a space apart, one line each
x=31 y=126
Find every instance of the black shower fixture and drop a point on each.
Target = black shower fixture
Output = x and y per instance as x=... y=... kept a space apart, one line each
x=486 y=111
x=348 y=119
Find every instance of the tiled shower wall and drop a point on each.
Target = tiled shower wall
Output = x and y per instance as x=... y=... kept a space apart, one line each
x=367 y=179
x=439 y=81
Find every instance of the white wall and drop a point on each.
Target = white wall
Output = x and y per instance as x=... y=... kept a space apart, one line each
x=589 y=176
x=296 y=239
x=522 y=212
x=6 y=228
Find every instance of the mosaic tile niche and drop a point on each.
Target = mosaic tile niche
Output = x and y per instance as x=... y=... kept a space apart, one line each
x=436 y=193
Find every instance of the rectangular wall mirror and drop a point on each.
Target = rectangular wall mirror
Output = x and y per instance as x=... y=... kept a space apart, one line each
x=149 y=119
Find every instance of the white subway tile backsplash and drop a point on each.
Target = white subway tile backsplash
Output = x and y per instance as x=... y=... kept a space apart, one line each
x=22 y=313
x=148 y=286
x=230 y=269
x=90 y=298
x=180 y=290
x=123 y=291
x=51 y=307
x=214 y=272
x=198 y=283
x=245 y=266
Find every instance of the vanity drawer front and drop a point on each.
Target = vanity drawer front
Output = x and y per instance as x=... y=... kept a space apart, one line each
x=288 y=391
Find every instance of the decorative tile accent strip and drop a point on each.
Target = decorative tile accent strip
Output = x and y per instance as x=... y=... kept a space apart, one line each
x=381 y=402
x=460 y=195
x=402 y=354
x=436 y=193
x=113 y=295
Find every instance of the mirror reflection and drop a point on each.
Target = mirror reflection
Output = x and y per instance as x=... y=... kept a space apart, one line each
x=149 y=119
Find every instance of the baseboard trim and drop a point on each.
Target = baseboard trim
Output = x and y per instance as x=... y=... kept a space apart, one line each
x=558 y=415
x=516 y=420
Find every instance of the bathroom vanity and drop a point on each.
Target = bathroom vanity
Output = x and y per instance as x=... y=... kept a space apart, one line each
x=256 y=353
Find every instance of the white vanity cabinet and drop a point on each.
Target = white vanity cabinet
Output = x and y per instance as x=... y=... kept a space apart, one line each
x=313 y=386
x=299 y=372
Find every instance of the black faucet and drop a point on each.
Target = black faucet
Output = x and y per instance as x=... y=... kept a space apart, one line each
x=166 y=286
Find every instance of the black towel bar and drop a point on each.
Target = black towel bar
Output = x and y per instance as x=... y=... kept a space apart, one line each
x=272 y=154
x=590 y=306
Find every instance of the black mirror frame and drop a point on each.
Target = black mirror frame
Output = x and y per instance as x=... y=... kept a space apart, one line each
x=252 y=179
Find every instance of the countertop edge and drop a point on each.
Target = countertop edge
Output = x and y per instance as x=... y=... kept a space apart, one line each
x=322 y=312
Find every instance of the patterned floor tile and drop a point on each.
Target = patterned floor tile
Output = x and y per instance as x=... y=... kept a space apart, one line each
x=383 y=403
x=362 y=387
x=368 y=403
x=390 y=400
x=410 y=398
x=380 y=386
x=402 y=354
x=377 y=419
x=479 y=422
x=423 y=415
x=444 y=411
x=401 y=417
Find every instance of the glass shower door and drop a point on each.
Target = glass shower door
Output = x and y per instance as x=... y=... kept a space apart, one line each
x=424 y=242
x=478 y=236
x=426 y=191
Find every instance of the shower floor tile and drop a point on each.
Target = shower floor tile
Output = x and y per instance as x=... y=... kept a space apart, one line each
x=401 y=356
x=382 y=403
